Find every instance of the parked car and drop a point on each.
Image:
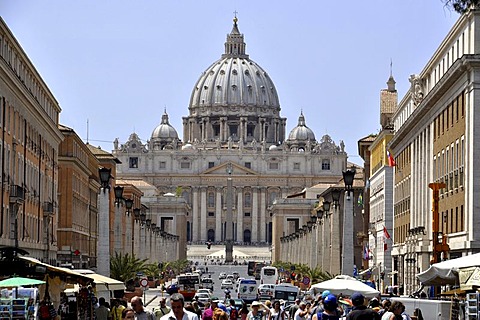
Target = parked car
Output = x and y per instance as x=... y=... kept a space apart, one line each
x=202 y=297
x=207 y=291
x=265 y=291
x=227 y=284
x=207 y=283
x=222 y=275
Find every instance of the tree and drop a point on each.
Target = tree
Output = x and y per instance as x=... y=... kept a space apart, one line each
x=461 y=6
x=125 y=267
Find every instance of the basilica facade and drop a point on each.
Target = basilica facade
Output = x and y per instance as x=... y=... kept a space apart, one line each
x=233 y=130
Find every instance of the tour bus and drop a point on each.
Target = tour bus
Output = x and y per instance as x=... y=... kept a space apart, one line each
x=188 y=284
x=286 y=292
x=254 y=268
x=269 y=275
x=247 y=290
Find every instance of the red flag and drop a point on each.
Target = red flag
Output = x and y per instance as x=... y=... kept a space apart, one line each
x=391 y=161
x=385 y=233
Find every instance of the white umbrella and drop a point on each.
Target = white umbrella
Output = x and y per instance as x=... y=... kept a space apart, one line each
x=446 y=272
x=346 y=285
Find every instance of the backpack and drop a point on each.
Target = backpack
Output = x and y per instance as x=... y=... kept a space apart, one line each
x=324 y=316
x=233 y=314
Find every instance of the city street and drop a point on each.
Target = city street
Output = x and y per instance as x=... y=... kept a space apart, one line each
x=198 y=254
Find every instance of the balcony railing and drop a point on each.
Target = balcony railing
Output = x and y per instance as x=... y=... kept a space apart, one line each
x=17 y=194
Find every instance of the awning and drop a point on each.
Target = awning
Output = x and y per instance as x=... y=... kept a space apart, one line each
x=109 y=283
x=69 y=275
x=446 y=272
x=102 y=283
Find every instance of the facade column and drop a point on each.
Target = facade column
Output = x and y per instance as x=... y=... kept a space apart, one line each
x=117 y=228
x=195 y=214
x=347 y=235
x=203 y=214
x=103 y=242
x=218 y=215
x=240 y=214
x=334 y=241
x=254 y=233
x=263 y=214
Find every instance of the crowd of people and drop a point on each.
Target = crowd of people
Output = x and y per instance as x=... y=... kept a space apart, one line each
x=326 y=306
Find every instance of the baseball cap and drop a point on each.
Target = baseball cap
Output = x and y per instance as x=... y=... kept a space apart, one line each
x=357 y=298
x=325 y=294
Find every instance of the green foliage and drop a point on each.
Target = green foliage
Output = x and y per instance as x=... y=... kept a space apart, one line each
x=152 y=270
x=460 y=6
x=125 y=267
x=316 y=274
x=178 y=191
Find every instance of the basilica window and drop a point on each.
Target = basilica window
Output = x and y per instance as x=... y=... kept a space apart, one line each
x=247 y=214
x=211 y=164
x=184 y=165
x=211 y=200
x=162 y=165
x=248 y=200
x=133 y=162
x=326 y=164
x=211 y=214
x=273 y=166
x=248 y=165
x=273 y=197
x=296 y=166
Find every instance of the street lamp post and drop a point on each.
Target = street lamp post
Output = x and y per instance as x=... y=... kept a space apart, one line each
x=347 y=241
x=117 y=224
x=103 y=240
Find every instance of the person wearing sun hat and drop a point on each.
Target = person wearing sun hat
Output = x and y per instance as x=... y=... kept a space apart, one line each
x=255 y=314
x=360 y=310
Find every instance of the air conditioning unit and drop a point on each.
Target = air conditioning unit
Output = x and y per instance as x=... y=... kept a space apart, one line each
x=17 y=194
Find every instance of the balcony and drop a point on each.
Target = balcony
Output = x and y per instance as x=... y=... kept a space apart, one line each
x=47 y=209
x=17 y=194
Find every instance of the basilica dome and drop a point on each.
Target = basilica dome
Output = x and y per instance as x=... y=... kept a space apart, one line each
x=234 y=101
x=234 y=80
x=301 y=132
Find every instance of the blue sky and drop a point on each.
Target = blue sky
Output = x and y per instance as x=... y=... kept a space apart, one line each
x=118 y=64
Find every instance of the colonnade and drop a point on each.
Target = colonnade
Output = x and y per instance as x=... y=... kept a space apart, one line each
x=257 y=208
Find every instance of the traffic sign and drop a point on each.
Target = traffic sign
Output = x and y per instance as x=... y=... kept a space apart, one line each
x=306 y=281
x=144 y=282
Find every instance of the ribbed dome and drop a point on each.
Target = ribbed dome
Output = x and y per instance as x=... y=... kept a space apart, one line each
x=301 y=132
x=234 y=80
x=164 y=131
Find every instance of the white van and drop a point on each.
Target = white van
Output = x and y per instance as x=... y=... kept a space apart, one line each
x=247 y=290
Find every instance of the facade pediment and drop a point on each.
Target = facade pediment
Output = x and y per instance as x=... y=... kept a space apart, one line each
x=221 y=169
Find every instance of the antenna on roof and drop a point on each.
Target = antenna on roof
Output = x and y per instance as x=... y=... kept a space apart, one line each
x=87 y=130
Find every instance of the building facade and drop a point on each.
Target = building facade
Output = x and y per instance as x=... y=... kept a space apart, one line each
x=234 y=124
x=436 y=132
x=79 y=185
x=380 y=193
x=30 y=138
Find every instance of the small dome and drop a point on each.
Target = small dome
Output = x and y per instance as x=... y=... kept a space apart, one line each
x=164 y=131
x=301 y=132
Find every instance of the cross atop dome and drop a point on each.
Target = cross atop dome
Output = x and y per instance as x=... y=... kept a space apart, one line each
x=235 y=45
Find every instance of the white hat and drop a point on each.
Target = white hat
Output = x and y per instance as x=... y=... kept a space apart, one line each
x=256 y=304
